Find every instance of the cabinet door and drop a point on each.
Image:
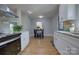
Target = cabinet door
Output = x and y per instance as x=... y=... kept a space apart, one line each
x=62 y=47
x=71 y=14
x=73 y=50
x=24 y=40
x=67 y=12
x=61 y=44
x=62 y=12
x=66 y=45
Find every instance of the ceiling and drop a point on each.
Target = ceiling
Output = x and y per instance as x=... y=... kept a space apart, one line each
x=46 y=10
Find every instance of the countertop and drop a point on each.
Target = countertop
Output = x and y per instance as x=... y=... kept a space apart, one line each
x=73 y=34
x=7 y=34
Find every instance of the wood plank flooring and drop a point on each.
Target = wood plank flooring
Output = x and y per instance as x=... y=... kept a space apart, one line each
x=40 y=47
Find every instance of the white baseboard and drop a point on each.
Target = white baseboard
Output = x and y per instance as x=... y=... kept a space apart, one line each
x=48 y=35
x=44 y=35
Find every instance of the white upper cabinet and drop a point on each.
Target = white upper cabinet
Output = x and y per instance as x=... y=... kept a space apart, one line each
x=77 y=11
x=71 y=11
x=62 y=12
x=67 y=12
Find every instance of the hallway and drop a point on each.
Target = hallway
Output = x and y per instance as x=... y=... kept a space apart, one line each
x=40 y=47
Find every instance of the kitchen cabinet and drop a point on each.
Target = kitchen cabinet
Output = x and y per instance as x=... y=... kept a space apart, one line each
x=61 y=45
x=62 y=12
x=73 y=50
x=77 y=11
x=67 y=12
x=66 y=45
x=71 y=11
x=8 y=20
x=24 y=40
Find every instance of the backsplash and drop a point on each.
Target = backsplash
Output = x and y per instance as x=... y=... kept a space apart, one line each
x=76 y=22
x=68 y=24
x=4 y=28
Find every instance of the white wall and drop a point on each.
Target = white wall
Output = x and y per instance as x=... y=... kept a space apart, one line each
x=24 y=20
x=49 y=25
x=26 y=23
x=46 y=26
x=54 y=23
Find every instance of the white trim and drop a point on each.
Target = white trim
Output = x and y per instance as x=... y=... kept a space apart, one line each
x=48 y=35
x=44 y=35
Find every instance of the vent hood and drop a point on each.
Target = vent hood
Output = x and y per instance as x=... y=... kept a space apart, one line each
x=5 y=11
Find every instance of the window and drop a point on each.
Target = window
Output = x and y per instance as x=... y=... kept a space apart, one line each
x=39 y=24
x=11 y=27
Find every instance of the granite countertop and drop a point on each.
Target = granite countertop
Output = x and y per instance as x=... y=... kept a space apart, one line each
x=74 y=34
x=7 y=34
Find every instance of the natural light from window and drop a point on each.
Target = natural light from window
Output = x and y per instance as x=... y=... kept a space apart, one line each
x=39 y=24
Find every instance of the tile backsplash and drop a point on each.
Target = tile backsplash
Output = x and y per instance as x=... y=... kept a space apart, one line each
x=76 y=22
x=4 y=28
x=68 y=24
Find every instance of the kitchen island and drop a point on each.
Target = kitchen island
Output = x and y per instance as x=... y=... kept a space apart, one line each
x=66 y=43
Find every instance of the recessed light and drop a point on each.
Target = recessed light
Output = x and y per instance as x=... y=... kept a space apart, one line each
x=40 y=16
x=30 y=12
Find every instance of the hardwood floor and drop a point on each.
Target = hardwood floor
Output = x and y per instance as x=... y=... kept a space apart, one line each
x=40 y=47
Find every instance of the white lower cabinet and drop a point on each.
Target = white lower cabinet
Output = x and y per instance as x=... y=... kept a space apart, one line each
x=74 y=50
x=63 y=46
x=24 y=40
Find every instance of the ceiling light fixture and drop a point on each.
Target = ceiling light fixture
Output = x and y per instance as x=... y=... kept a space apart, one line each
x=40 y=16
x=29 y=11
